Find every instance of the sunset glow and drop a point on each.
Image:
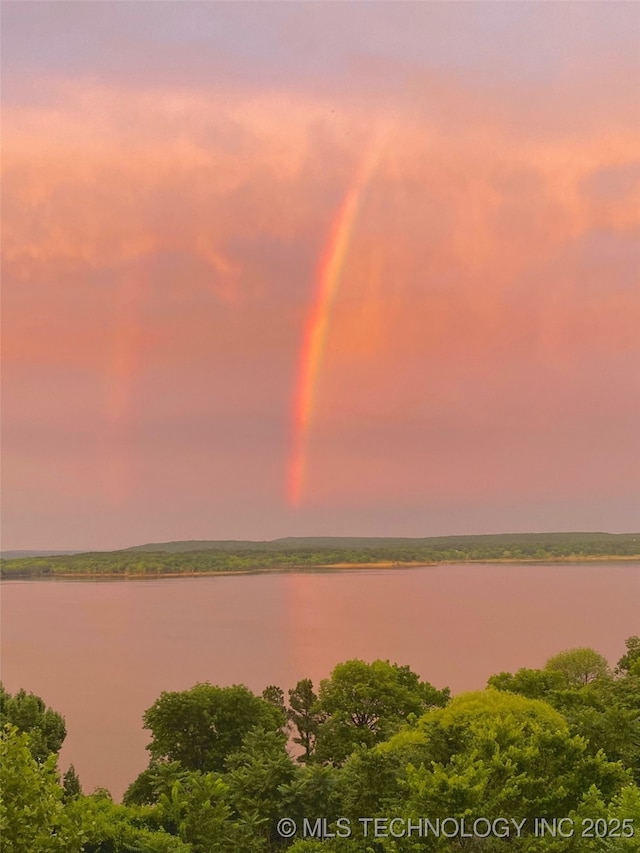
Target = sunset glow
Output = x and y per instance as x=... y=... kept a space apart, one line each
x=234 y=308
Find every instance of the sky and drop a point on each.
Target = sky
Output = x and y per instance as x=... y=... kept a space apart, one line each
x=299 y=268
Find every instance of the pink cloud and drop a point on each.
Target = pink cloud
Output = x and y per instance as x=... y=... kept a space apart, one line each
x=165 y=243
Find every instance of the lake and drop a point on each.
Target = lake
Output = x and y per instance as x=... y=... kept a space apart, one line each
x=101 y=652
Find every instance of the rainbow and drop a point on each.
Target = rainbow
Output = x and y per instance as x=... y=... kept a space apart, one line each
x=329 y=276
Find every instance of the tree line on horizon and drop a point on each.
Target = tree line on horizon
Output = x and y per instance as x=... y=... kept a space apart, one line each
x=155 y=562
x=374 y=741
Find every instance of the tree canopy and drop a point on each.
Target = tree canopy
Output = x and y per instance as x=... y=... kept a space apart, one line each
x=579 y=666
x=28 y=713
x=363 y=703
x=379 y=743
x=200 y=727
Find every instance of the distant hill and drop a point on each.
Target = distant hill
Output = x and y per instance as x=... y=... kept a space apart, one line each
x=300 y=552
x=293 y=543
x=16 y=555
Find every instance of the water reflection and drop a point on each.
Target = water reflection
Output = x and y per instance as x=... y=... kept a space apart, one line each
x=100 y=652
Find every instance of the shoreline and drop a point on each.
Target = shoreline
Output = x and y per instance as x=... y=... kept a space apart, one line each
x=386 y=564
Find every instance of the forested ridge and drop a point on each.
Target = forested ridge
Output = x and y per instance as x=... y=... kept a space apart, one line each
x=236 y=556
x=541 y=761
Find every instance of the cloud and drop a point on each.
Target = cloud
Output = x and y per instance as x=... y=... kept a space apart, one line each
x=166 y=242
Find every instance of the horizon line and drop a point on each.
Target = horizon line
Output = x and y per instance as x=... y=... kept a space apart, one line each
x=65 y=551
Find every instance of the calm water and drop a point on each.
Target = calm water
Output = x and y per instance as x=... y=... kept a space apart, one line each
x=101 y=652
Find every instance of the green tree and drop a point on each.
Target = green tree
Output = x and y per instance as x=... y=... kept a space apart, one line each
x=365 y=702
x=625 y=806
x=202 y=726
x=490 y=754
x=196 y=809
x=314 y=792
x=532 y=683
x=107 y=827
x=274 y=695
x=255 y=775
x=632 y=656
x=604 y=711
x=32 y=816
x=306 y=717
x=28 y=712
x=579 y=666
x=157 y=779
x=71 y=784
x=605 y=723
x=372 y=782
x=602 y=827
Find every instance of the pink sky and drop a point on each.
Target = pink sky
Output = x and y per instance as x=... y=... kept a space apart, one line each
x=163 y=236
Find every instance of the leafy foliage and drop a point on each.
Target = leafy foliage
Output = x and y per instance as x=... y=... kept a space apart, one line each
x=202 y=726
x=364 y=703
x=256 y=774
x=306 y=715
x=605 y=711
x=497 y=753
x=28 y=713
x=579 y=666
x=71 y=784
x=32 y=815
x=631 y=659
x=559 y=742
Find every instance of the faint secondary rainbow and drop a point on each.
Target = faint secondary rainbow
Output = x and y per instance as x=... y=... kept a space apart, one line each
x=330 y=270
